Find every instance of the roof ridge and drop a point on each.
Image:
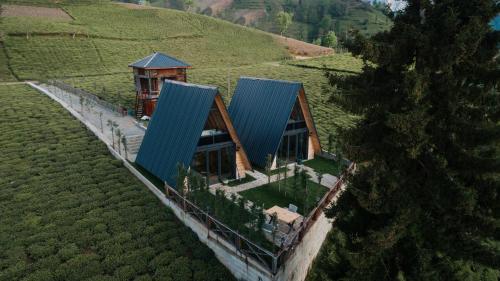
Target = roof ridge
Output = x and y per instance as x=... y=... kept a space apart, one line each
x=269 y=79
x=192 y=85
x=150 y=59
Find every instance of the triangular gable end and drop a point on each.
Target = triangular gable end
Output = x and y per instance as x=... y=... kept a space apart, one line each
x=242 y=162
x=301 y=111
x=175 y=129
x=311 y=126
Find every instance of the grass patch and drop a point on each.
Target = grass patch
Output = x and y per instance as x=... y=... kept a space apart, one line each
x=71 y=211
x=325 y=166
x=283 y=194
x=246 y=179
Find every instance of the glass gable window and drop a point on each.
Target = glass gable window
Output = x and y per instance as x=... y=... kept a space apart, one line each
x=216 y=154
x=293 y=146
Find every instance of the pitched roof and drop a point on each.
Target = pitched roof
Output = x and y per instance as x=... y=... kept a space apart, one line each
x=260 y=109
x=159 y=60
x=175 y=128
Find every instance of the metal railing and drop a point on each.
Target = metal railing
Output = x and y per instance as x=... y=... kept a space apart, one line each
x=86 y=95
x=218 y=230
x=268 y=260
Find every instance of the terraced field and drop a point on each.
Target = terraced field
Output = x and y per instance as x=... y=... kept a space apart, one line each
x=70 y=211
x=93 y=51
x=104 y=38
x=119 y=88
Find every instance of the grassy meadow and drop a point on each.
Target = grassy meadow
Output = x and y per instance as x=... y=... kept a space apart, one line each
x=70 y=211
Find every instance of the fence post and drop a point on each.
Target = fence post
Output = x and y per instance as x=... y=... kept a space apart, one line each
x=275 y=265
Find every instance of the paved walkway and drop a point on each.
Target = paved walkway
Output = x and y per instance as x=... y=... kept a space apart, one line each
x=100 y=117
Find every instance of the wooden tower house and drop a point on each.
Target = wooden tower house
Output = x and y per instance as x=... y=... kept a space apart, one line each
x=149 y=75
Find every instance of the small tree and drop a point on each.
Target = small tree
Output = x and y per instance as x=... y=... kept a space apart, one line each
x=81 y=103
x=296 y=177
x=319 y=175
x=118 y=133
x=280 y=162
x=330 y=40
x=112 y=124
x=330 y=142
x=303 y=184
x=188 y=4
x=181 y=177
x=269 y=164
x=285 y=176
x=274 y=219
x=284 y=20
x=124 y=141
x=100 y=119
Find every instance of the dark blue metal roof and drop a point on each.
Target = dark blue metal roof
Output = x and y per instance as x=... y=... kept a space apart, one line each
x=175 y=128
x=260 y=109
x=495 y=23
x=159 y=60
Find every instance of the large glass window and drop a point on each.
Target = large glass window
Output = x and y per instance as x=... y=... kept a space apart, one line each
x=227 y=162
x=199 y=163
x=292 y=148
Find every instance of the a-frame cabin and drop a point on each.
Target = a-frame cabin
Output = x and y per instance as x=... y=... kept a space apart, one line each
x=273 y=117
x=191 y=126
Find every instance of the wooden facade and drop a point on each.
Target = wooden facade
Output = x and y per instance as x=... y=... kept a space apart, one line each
x=149 y=76
x=242 y=162
x=315 y=146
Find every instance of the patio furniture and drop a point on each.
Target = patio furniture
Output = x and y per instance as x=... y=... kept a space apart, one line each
x=292 y=208
x=284 y=215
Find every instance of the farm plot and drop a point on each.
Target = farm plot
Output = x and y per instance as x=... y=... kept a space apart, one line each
x=5 y=74
x=70 y=211
x=37 y=12
x=43 y=57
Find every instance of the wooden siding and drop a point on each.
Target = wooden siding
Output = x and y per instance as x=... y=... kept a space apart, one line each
x=313 y=134
x=242 y=162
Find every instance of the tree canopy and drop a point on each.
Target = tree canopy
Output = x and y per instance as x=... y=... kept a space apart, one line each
x=424 y=202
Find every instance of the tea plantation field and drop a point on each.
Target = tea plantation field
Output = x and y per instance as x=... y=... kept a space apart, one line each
x=93 y=51
x=120 y=89
x=104 y=38
x=70 y=211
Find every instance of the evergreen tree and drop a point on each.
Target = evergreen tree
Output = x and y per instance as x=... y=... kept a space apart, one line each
x=424 y=202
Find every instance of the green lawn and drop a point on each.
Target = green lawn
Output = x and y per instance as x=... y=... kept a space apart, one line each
x=246 y=179
x=283 y=194
x=71 y=211
x=323 y=165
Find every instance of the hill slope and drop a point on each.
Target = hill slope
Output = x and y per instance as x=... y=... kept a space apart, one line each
x=312 y=18
x=105 y=38
x=93 y=49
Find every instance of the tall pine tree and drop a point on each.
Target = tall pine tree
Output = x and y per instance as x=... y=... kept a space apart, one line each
x=424 y=203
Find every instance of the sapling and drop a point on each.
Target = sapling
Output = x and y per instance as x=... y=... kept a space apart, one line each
x=269 y=164
x=319 y=175
x=124 y=141
x=118 y=133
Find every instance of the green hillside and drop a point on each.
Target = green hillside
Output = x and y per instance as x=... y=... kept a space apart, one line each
x=93 y=51
x=104 y=38
x=312 y=18
x=71 y=211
